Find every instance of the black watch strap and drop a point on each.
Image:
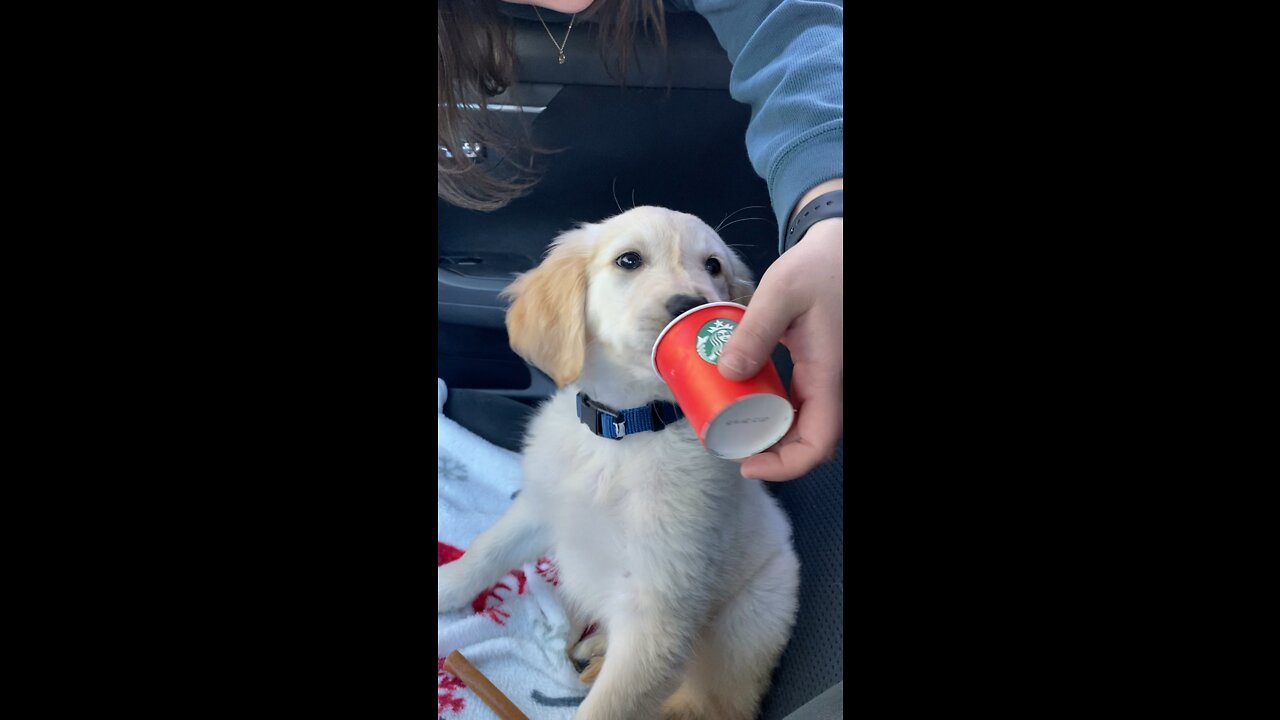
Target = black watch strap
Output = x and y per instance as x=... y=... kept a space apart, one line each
x=825 y=206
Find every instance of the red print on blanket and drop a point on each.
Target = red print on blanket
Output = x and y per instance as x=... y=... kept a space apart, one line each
x=448 y=691
x=446 y=553
x=493 y=610
x=489 y=602
x=548 y=570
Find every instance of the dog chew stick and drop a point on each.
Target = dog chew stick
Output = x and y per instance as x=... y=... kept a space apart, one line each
x=462 y=668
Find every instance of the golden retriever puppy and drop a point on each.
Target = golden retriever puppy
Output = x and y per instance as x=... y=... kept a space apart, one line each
x=687 y=568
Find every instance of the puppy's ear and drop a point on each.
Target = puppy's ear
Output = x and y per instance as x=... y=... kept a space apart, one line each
x=547 y=320
x=741 y=285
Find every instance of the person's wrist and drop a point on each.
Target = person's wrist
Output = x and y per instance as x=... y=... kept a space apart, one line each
x=814 y=192
x=826 y=206
x=822 y=250
x=823 y=238
x=822 y=203
x=824 y=227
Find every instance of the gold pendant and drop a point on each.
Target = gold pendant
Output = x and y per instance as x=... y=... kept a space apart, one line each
x=561 y=58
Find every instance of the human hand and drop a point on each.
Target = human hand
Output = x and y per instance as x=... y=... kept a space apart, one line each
x=800 y=303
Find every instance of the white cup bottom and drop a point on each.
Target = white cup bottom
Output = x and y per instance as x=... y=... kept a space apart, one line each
x=752 y=424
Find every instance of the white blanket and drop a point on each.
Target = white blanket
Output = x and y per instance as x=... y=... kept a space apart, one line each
x=515 y=632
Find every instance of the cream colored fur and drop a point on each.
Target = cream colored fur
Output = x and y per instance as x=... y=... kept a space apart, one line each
x=687 y=567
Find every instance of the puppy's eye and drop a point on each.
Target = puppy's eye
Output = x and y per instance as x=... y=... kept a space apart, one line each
x=629 y=261
x=713 y=266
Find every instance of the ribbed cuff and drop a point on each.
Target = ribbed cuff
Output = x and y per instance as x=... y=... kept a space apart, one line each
x=816 y=157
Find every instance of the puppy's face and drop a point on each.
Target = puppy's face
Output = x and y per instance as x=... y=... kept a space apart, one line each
x=616 y=285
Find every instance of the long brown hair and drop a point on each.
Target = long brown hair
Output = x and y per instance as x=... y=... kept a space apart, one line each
x=475 y=62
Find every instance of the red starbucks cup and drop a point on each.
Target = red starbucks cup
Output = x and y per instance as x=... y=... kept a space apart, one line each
x=733 y=419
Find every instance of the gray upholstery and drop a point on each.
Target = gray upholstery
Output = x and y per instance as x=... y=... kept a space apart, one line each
x=827 y=706
x=814 y=659
x=499 y=420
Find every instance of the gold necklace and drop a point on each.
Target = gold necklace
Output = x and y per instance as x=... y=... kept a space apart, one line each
x=560 y=45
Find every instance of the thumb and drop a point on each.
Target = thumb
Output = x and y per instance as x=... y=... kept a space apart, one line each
x=752 y=343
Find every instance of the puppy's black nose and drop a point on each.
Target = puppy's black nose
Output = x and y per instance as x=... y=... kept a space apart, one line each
x=677 y=304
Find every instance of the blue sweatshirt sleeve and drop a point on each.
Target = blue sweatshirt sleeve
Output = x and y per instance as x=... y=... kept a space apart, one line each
x=788 y=65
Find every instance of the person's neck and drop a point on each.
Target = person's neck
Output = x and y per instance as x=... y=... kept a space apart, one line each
x=617 y=387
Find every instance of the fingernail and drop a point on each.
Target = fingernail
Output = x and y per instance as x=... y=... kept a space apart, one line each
x=734 y=363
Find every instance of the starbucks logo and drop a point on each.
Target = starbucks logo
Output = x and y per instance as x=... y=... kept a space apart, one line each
x=712 y=337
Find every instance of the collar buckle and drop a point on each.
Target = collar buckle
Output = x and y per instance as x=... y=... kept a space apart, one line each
x=613 y=424
x=594 y=415
x=657 y=420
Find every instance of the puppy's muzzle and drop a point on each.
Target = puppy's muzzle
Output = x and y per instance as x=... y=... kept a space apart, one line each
x=678 y=304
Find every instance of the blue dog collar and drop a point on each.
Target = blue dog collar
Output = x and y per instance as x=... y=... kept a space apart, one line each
x=615 y=424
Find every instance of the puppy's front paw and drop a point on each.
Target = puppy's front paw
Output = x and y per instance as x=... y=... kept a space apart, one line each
x=452 y=589
x=588 y=656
